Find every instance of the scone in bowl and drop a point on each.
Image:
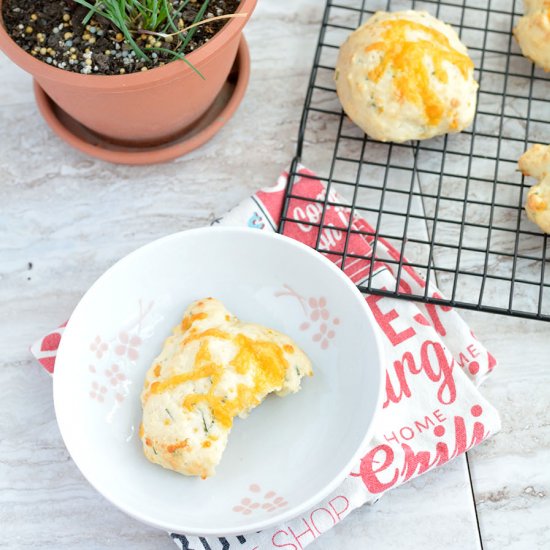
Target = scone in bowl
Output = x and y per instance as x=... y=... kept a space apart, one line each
x=290 y=452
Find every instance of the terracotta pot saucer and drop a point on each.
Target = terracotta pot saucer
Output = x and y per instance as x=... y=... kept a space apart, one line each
x=83 y=139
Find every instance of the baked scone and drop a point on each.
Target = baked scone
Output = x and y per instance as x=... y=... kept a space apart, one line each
x=405 y=76
x=535 y=162
x=212 y=369
x=533 y=32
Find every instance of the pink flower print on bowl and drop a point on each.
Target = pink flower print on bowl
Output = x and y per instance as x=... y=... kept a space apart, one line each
x=99 y=347
x=318 y=309
x=271 y=501
x=318 y=317
x=98 y=392
x=324 y=335
x=114 y=375
x=246 y=507
x=128 y=345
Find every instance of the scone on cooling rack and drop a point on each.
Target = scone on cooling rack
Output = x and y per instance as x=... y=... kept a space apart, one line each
x=406 y=76
x=212 y=369
x=533 y=32
x=535 y=162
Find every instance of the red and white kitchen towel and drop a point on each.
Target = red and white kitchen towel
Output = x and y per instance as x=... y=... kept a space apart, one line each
x=432 y=411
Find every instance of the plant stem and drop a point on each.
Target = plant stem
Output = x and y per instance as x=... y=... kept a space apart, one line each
x=151 y=17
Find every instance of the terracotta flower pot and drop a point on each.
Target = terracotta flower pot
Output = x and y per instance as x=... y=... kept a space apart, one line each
x=140 y=108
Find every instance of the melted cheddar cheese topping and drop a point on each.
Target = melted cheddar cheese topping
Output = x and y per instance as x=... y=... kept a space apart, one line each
x=406 y=57
x=212 y=369
x=264 y=359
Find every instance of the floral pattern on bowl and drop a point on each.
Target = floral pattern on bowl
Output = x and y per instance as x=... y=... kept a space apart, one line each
x=319 y=321
x=114 y=356
x=269 y=501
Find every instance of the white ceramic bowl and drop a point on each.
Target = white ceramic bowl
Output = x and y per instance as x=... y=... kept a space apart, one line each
x=283 y=459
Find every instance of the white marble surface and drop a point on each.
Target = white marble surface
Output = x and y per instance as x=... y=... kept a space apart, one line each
x=71 y=217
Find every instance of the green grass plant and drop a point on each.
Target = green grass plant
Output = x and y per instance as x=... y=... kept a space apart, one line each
x=160 y=18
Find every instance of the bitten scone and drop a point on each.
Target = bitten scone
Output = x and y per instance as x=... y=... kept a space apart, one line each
x=211 y=369
x=406 y=75
x=533 y=32
x=535 y=162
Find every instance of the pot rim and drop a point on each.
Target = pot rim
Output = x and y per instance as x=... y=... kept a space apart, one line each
x=41 y=70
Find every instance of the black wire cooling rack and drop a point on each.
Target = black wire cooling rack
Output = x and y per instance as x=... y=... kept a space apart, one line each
x=453 y=205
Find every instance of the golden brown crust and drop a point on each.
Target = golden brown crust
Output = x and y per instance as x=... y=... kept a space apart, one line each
x=533 y=32
x=404 y=76
x=535 y=162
